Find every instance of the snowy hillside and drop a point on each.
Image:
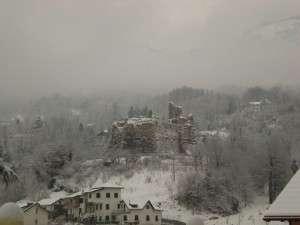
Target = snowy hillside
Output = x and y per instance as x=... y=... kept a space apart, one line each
x=157 y=186
x=251 y=215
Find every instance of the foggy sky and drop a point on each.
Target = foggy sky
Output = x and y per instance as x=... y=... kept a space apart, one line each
x=73 y=45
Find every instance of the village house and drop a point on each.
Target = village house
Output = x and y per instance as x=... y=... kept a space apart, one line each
x=132 y=214
x=102 y=202
x=34 y=214
x=54 y=206
x=74 y=206
x=104 y=205
x=286 y=207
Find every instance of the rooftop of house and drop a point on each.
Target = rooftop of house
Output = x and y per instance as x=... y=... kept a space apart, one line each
x=107 y=185
x=135 y=121
x=256 y=103
x=77 y=194
x=48 y=201
x=27 y=208
x=139 y=206
x=286 y=206
x=24 y=203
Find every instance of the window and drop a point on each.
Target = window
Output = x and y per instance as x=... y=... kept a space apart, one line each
x=107 y=218
x=96 y=206
x=100 y=218
x=136 y=217
x=90 y=195
x=147 y=218
x=100 y=206
x=116 y=195
x=36 y=222
x=156 y=218
x=113 y=218
x=107 y=206
x=107 y=195
x=36 y=210
x=81 y=200
x=147 y=206
x=98 y=195
x=125 y=217
x=119 y=206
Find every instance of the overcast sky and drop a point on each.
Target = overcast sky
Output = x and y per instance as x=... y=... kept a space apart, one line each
x=72 y=45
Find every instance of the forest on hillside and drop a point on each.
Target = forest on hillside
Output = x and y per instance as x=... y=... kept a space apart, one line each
x=44 y=142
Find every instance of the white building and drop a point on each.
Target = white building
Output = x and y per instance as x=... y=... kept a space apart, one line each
x=102 y=202
x=104 y=205
x=132 y=214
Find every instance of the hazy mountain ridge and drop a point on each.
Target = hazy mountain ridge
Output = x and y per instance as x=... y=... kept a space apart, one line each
x=287 y=29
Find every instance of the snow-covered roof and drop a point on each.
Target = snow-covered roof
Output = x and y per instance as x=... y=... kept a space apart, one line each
x=48 y=201
x=135 y=205
x=25 y=209
x=77 y=194
x=54 y=197
x=140 y=120
x=255 y=103
x=221 y=133
x=103 y=186
x=287 y=203
x=106 y=185
x=24 y=203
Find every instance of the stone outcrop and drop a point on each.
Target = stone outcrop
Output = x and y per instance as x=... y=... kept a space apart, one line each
x=183 y=124
x=135 y=133
x=175 y=112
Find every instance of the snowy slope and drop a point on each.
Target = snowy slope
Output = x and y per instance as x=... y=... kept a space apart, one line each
x=157 y=186
x=251 y=215
x=285 y=29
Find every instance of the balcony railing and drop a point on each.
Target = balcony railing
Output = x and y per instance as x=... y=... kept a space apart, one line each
x=107 y=222
x=93 y=222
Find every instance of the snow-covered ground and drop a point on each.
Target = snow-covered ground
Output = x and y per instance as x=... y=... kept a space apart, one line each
x=159 y=187
x=251 y=215
x=156 y=186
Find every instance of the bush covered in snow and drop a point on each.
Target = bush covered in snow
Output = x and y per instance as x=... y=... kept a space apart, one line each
x=213 y=193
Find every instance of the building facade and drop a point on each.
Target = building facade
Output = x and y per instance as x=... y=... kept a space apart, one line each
x=35 y=215
x=104 y=205
x=131 y=214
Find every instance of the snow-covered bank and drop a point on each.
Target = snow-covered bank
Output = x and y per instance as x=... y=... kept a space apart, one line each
x=251 y=215
x=158 y=186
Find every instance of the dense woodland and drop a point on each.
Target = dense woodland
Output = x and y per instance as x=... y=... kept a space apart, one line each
x=44 y=142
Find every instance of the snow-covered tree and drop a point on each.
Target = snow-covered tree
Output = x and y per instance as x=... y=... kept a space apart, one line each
x=7 y=174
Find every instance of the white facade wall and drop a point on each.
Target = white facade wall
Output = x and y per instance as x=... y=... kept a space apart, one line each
x=146 y=216
x=107 y=207
x=105 y=203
